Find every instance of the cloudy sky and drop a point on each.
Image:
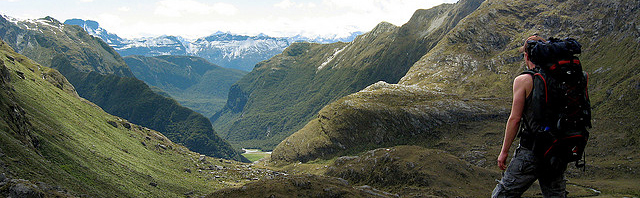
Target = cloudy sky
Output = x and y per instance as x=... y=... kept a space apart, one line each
x=198 y=18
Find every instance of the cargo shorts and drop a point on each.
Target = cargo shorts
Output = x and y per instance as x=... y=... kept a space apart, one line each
x=521 y=174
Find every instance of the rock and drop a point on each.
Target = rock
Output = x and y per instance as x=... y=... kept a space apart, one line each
x=113 y=123
x=2 y=177
x=188 y=170
x=202 y=158
x=25 y=190
x=20 y=74
x=189 y=193
x=126 y=125
x=153 y=184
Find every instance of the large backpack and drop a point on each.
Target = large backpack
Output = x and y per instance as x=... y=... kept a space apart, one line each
x=560 y=103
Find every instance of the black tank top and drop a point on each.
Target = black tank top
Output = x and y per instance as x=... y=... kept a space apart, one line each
x=527 y=122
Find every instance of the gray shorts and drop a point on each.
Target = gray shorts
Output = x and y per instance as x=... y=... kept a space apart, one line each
x=521 y=174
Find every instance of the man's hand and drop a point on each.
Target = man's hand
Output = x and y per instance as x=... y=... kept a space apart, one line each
x=502 y=158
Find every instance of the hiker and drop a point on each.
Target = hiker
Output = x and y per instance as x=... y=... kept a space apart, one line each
x=526 y=166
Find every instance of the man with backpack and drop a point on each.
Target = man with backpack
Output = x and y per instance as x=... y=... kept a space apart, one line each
x=550 y=114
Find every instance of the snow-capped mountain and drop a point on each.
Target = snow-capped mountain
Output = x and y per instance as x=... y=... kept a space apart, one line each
x=240 y=52
x=224 y=49
x=325 y=39
x=154 y=46
x=93 y=28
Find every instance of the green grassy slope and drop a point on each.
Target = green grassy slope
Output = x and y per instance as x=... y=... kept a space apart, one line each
x=472 y=67
x=101 y=76
x=192 y=81
x=63 y=145
x=49 y=38
x=306 y=185
x=281 y=94
x=469 y=70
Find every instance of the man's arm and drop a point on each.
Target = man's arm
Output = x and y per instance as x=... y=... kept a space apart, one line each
x=521 y=88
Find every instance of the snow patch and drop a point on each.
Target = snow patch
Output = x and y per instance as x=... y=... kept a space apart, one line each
x=330 y=58
x=436 y=23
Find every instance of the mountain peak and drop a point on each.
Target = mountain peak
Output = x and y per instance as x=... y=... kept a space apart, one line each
x=83 y=23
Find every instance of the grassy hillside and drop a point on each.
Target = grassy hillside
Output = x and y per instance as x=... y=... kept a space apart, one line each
x=192 y=81
x=54 y=143
x=49 y=38
x=283 y=93
x=467 y=71
x=100 y=75
x=472 y=68
x=414 y=171
x=306 y=185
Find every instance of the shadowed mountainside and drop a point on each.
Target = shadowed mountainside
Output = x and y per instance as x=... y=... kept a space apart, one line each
x=192 y=81
x=100 y=75
x=56 y=144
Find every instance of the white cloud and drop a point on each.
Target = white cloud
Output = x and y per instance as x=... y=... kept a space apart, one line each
x=286 y=4
x=178 y=8
x=110 y=21
x=124 y=9
x=397 y=12
x=197 y=18
x=86 y=1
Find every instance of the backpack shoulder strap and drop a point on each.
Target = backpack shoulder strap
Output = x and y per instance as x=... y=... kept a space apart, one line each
x=535 y=73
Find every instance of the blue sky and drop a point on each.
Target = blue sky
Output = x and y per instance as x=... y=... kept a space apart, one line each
x=198 y=18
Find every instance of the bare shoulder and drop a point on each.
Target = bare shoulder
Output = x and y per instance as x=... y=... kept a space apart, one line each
x=523 y=79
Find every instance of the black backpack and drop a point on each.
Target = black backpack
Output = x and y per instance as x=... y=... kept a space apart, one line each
x=560 y=103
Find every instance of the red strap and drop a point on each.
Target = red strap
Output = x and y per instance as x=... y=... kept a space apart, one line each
x=554 y=142
x=586 y=89
x=562 y=62
x=574 y=61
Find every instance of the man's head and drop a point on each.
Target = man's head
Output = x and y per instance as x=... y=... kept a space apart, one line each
x=523 y=49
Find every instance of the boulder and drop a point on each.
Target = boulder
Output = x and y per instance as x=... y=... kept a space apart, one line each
x=25 y=190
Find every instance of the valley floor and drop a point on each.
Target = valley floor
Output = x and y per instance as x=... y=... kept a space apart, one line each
x=604 y=177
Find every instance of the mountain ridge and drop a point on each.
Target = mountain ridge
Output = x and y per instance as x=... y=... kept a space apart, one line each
x=187 y=79
x=472 y=67
x=283 y=93
x=222 y=48
x=56 y=144
x=100 y=75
